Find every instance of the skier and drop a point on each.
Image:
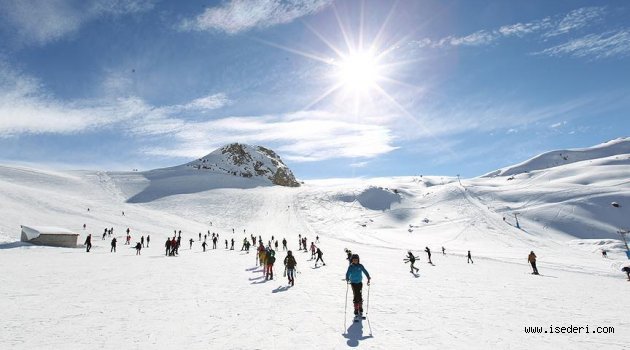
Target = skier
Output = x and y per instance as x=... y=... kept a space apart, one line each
x=226 y=244
x=203 y=245
x=214 y=242
x=84 y=226
x=174 y=246
x=232 y=244
x=138 y=247
x=300 y=241
x=289 y=265
x=200 y=236
x=284 y=244
x=627 y=271
x=412 y=260
x=148 y=240
x=304 y=243
x=276 y=245
x=470 y=260
x=532 y=260
x=426 y=249
x=354 y=276
x=319 y=256
x=167 y=245
x=113 y=245
x=270 y=259
x=190 y=241
x=261 y=254
x=317 y=239
x=88 y=243
x=604 y=253
x=313 y=249
x=443 y=251
x=104 y=233
x=142 y=241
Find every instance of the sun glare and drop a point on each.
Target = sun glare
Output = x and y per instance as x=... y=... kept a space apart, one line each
x=358 y=72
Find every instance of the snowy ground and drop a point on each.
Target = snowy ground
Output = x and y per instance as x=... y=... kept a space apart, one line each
x=66 y=298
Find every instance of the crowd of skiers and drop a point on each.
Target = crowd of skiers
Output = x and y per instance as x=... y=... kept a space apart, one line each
x=266 y=255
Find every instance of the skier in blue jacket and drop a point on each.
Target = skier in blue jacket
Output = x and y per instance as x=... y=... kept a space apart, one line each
x=354 y=276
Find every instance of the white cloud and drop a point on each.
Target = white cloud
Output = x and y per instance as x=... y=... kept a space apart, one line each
x=479 y=38
x=577 y=19
x=595 y=46
x=26 y=108
x=359 y=164
x=300 y=136
x=237 y=16
x=523 y=29
x=546 y=28
x=215 y=101
x=41 y=21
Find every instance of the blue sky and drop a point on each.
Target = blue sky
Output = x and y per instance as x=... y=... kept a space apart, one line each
x=337 y=88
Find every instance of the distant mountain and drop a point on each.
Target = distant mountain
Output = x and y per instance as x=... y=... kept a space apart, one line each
x=246 y=161
x=620 y=146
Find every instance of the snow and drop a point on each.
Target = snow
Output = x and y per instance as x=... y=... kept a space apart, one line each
x=67 y=298
x=551 y=159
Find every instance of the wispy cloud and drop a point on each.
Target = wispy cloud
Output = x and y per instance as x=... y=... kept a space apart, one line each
x=26 y=108
x=237 y=16
x=37 y=22
x=301 y=136
x=596 y=46
x=577 y=19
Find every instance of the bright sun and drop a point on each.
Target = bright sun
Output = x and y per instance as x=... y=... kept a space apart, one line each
x=358 y=71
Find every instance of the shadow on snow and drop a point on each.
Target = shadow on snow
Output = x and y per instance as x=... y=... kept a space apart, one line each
x=354 y=334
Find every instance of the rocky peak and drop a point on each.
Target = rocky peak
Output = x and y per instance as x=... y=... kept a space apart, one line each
x=247 y=161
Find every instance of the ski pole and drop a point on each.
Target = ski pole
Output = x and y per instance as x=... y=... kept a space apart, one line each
x=345 y=309
x=367 y=307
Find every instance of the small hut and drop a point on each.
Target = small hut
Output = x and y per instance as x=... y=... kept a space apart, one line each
x=50 y=236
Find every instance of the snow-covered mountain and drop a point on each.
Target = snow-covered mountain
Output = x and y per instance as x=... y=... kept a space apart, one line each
x=232 y=166
x=246 y=161
x=618 y=147
x=120 y=300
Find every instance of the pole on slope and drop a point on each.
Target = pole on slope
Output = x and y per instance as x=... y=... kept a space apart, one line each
x=516 y=218
x=345 y=310
x=367 y=306
x=367 y=309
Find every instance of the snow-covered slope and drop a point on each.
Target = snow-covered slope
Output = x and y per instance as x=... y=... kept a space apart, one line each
x=618 y=147
x=219 y=298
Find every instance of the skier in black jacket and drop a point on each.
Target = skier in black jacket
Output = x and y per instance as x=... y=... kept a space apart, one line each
x=412 y=260
x=319 y=257
x=289 y=264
